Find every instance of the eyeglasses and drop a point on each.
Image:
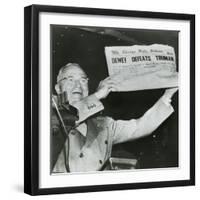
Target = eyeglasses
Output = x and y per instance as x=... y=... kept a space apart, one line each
x=71 y=80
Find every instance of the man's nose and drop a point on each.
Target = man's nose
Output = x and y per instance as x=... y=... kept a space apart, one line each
x=77 y=83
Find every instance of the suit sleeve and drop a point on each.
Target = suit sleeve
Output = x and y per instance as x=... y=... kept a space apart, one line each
x=132 y=129
x=88 y=107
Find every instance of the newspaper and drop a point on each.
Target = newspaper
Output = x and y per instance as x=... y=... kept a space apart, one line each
x=142 y=67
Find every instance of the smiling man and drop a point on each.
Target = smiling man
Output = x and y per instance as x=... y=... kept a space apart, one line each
x=87 y=144
x=74 y=81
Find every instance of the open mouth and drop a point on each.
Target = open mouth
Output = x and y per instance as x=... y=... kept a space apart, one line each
x=77 y=93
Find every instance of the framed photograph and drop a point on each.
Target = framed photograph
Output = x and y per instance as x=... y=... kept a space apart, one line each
x=109 y=99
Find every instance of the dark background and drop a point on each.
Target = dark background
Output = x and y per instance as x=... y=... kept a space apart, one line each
x=85 y=45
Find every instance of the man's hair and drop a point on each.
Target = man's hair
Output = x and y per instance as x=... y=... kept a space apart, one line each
x=64 y=68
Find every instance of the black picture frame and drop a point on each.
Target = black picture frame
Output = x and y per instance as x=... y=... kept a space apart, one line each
x=31 y=98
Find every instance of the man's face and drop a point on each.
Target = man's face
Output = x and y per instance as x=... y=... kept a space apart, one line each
x=74 y=83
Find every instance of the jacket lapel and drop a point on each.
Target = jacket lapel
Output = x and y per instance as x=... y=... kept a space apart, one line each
x=96 y=136
x=92 y=132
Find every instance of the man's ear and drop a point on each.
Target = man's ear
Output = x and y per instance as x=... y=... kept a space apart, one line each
x=57 y=88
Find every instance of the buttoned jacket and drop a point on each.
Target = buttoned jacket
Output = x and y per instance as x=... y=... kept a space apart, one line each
x=91 y=152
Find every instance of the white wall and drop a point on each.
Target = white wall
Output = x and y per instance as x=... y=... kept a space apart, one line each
x=11 y=100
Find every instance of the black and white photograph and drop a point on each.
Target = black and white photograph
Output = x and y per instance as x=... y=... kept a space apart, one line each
x=114 y=94
x=99 y=100
x=109 y=100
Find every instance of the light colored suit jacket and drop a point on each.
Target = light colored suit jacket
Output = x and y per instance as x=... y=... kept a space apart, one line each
x=91 y=152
